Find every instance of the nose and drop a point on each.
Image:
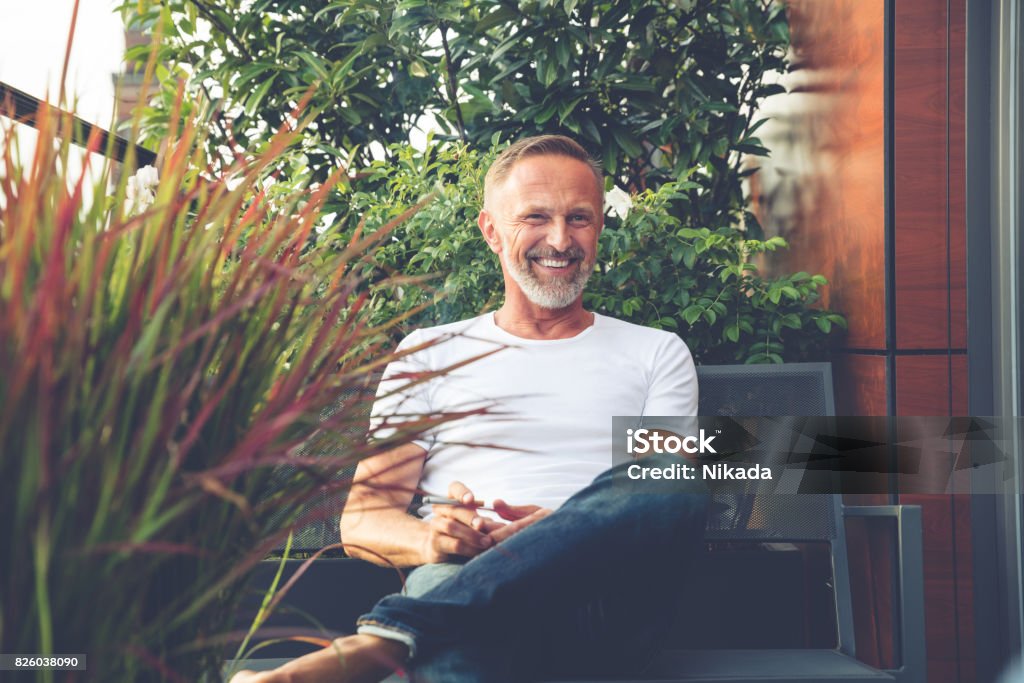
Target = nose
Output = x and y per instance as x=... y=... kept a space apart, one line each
x=559 y=237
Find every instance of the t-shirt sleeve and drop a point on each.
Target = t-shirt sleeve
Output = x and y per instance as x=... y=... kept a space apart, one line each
x=401 y=398
x=673 y=386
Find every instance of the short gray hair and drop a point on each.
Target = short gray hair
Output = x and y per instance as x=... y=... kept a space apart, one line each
x=540 y=145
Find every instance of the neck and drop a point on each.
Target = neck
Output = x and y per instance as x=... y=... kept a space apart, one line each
x=521 y=317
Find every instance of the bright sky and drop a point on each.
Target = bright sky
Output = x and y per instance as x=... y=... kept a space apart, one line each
x=33 y=40
x=33 y=37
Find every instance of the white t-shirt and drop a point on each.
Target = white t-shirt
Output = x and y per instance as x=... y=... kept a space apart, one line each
x=551 y=402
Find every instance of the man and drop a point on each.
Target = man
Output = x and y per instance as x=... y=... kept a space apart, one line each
x=567 y=573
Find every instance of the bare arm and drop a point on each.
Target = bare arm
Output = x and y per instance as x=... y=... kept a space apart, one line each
x=376 y=527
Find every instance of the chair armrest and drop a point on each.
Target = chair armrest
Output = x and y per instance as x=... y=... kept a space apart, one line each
x=910 y=577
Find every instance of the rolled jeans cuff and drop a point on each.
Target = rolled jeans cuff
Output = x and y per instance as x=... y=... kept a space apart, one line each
x=381 y=630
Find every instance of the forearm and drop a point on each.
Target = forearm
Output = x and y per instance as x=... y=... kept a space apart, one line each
x=383 y=536
x=374 y=524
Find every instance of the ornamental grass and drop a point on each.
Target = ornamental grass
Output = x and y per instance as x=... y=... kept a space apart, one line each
x=160 y=357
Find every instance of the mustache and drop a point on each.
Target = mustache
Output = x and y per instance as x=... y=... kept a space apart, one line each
x=573 y=252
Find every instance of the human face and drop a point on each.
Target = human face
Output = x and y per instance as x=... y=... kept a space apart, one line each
x=543 y=221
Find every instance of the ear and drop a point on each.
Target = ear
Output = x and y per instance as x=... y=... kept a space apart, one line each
x=489 y=230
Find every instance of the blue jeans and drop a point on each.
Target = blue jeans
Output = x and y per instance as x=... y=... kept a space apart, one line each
x=588 y=589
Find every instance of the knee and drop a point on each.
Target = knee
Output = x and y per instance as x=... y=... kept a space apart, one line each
x=425 y=578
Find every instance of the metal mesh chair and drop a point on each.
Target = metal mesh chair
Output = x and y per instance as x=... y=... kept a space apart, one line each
x=799 y=389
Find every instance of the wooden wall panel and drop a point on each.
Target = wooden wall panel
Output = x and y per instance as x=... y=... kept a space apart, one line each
x=919 y=23
x=922 y=388
x=919 y=128
x=922 y=385
x=823 y=187
x=919 y=174
x=957 y=177
x=941 y=618
x=860 y=382
x=958 y=386
x=964 y=585
x=871 y=558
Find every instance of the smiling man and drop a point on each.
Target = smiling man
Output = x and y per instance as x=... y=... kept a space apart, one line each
x=565 y=573
x=543 y=216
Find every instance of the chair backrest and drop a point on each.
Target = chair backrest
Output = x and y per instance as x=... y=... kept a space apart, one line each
x=327 y=505
x=792 y=389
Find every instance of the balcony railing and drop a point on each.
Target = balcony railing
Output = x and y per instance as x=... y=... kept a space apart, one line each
x=23 y=108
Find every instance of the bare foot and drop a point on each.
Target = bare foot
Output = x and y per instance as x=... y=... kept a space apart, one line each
x=353 y=659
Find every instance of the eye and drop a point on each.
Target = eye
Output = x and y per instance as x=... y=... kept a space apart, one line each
x=579 y=218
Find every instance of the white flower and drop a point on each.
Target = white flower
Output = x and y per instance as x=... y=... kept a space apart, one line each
x=141 y=189
x=618 y=202
x=147 y=176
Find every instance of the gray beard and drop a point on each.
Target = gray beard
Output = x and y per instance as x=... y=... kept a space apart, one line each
x=555 y=294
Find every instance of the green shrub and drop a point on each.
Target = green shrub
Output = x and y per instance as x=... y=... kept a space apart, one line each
x=665 y=93
x=653 y=89
x=653 y=268
x=705 y=284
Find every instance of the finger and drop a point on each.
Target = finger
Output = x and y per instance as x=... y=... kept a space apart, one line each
x=463 y=515
x=487 y=526
x=503 y=534
x=449 y=546
x=515 y=527
x=513 y=512
x=459 y=491
x=456 y=529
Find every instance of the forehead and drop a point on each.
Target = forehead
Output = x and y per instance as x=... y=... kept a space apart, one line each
x=550 y=178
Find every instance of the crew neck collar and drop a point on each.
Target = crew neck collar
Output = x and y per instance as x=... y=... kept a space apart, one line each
x=522 y=341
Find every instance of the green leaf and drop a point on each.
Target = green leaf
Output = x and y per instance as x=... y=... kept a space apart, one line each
x=756 y=150
x=590 y=130
x=508 y=71
x=253 y=102
x=562 y=52
x=495 y=18
x=691 y=313
x=629 y=144
x=315 y=65
x=792 y=321
x=546 y=113
x=342 y=71
x=417 y=69
x=550 y=72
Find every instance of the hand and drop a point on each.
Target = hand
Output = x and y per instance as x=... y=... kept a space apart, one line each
x=457 y=530
x=519 y=516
